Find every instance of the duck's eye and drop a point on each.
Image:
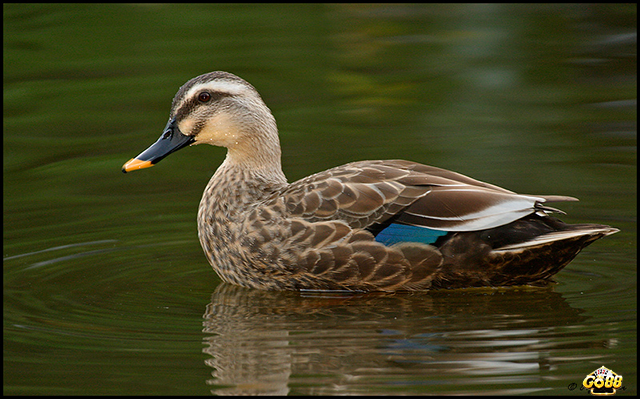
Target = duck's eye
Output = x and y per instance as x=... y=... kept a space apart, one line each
x=204 y=97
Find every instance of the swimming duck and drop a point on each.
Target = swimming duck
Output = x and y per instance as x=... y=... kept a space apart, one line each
x=365 y=226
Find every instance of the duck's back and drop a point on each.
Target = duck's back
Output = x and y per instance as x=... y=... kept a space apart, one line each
x=389 y=225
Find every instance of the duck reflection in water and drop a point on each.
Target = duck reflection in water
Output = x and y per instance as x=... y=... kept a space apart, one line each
x=266 y=342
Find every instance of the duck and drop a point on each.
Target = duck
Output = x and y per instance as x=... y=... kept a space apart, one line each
x=382 y=225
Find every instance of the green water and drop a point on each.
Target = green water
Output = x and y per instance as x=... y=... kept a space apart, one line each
x=106 y=289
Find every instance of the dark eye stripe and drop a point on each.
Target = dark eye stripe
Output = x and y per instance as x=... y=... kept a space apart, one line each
x=195 y=101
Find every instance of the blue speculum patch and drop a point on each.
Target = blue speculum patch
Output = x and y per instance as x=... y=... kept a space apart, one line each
x=397 y=233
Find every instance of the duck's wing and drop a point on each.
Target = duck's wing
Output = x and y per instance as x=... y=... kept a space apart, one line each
x=373 y=194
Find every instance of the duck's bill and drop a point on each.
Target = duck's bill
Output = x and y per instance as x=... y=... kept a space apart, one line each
x=171 y=140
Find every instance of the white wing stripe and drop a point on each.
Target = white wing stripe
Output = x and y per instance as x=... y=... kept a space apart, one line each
x=503 y=208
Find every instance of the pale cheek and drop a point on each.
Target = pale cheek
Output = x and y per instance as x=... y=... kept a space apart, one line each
x=186 y=126
x=219 y=134
x=219 y=130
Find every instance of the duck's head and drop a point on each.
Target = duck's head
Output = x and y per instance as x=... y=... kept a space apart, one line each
x=220 y=109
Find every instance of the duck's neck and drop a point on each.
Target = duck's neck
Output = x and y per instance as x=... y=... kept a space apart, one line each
x=250 y=174
x=257 y=159
x=242 y=181
x=256 y=153
x=250 y=179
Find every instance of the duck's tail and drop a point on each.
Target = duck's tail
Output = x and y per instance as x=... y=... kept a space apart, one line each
x=533 y=260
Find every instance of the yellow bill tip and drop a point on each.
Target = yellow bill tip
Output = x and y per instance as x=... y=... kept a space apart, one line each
x=135 y=164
